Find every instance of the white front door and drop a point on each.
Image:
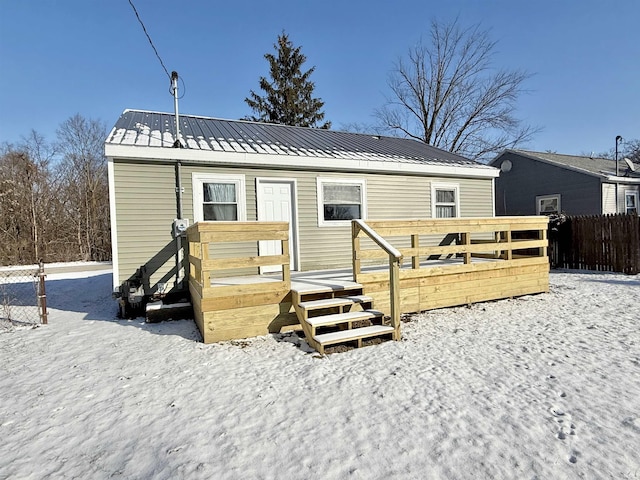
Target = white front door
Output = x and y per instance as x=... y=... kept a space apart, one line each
x=276 y=203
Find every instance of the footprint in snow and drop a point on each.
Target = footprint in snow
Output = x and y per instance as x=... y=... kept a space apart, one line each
x=566 y=427
x=633 y=423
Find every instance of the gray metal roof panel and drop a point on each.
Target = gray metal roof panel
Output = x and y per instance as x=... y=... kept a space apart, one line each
x=154 y=129
x=602 y=167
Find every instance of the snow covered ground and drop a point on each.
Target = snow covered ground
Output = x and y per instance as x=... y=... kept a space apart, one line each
x=544 y=386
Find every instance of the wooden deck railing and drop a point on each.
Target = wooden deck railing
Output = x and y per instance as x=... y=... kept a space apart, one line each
x=202 y=234
x=395 y=260
x=247 y=305
x=450 y=260
x=454 y=237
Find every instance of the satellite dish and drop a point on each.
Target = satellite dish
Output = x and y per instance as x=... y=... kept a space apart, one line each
x=506 y=166
x=630 y=164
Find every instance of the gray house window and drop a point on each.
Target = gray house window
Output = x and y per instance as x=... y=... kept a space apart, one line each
x=548 y=204
x=631 y=202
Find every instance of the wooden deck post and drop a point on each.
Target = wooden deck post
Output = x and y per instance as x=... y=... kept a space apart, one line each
x=286 y=267
x=508 y=253
x=355 y=249
x=466 y=240
x=415 y=244
x=205 y=273
x=394 y=292
x=542 y=235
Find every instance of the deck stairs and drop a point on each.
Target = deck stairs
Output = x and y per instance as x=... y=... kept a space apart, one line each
x=338 y=314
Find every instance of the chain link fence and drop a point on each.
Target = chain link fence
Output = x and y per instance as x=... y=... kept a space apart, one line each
x=22 y=297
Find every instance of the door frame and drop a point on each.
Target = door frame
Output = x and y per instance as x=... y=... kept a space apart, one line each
x=295 y=232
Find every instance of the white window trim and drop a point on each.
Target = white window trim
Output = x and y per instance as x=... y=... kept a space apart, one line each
x=198 y=179
x=445 y=186
x=631 y=193
x=539 y=199
x=320 y=196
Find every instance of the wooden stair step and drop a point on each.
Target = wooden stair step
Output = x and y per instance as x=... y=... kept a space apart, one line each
x=311 y=290
x=338 y=318
x=353 y=334
x=335 y=302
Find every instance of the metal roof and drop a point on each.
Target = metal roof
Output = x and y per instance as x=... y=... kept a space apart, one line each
x=137 y=128
x=601 y=167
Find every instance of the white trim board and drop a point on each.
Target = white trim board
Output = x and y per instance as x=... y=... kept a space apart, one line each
x=114 y=229
x=296 y=162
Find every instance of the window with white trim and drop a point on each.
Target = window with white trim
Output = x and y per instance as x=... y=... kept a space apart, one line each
x=218 y=198
x=631 y=202
x=340 y=200
x=548 y=204
x=445 y=201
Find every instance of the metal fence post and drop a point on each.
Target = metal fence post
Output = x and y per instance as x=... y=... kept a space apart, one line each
x=42 y=295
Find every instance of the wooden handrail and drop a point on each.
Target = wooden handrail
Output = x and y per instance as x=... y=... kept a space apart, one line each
x=382 y=243
x=395 y=260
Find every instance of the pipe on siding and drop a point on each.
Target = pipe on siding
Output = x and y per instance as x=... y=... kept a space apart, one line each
x=178 y=144
x=179 y=250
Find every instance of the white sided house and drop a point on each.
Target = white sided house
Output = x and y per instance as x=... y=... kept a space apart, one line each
x=231 y=170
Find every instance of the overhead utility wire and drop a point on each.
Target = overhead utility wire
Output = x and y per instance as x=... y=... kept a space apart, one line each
x=149 y=38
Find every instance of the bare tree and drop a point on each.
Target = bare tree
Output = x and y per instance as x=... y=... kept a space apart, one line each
x=25 y=200
x=54 y=200
x=446 y=93
x=83 y=170
x=628 y=149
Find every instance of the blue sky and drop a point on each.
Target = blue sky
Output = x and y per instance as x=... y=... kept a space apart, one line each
x=58 y=58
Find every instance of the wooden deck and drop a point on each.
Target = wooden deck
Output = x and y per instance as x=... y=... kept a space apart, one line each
x=448 y=262
x=494 y=258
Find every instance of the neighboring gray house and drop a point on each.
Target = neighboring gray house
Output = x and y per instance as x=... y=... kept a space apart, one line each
x=534 y=183
x=317 y=180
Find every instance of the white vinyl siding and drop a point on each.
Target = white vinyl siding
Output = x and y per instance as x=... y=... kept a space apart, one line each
x=608 y=198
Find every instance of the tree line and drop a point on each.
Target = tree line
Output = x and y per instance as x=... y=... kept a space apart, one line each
x=54 y=196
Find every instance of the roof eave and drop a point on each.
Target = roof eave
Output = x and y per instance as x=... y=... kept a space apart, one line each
x=295 y=162
x=555 y=164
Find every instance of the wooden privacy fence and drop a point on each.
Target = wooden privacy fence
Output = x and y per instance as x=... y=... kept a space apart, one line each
x=609 y=243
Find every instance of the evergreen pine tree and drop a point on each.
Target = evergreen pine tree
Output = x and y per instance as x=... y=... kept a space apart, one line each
x=288 y=96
